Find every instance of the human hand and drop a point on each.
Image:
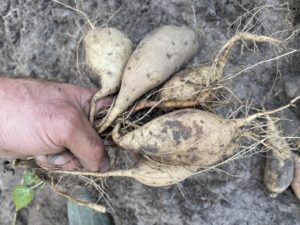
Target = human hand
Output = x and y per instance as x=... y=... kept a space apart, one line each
x=43 y=119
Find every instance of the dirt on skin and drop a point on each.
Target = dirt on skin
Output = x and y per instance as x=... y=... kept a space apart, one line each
x=39 y=38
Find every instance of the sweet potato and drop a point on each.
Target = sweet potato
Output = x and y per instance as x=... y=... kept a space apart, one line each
x=186 y=137
x=156 y=58
x=155 y=174
x=106 y=53
x=279 y=168
x=296 y=180
x=147 y=172
x=190 y=83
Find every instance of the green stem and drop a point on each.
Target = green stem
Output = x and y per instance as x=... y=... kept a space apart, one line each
x=37 y=185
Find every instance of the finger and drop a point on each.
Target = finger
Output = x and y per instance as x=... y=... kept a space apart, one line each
x=84 y=95
x=100 y=104
x=87 y=146
x=64 y=160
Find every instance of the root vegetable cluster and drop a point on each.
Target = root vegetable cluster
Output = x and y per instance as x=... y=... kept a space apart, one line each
x=178 y=144
x=185 y=136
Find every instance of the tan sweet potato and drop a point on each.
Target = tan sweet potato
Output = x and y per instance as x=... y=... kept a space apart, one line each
x=190 y=83
x=186 y=137
x=155 y=174
x=107 y=51
x=296 y=180
x=147 y=172
x=279 y=168
x=156 y=58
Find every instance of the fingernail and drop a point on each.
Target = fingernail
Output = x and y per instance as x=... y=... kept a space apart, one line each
x=59 y=159
x=105 y=164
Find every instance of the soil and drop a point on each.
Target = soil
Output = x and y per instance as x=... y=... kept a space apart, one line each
x=39 y=39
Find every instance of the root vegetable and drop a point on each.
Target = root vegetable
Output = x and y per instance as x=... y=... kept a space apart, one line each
x=106 y=53
x=189 y=84
x=155 y=59
x=296 y=180
x=147 y=172
x=157 y=175
x=186 y=137
x=279 y=169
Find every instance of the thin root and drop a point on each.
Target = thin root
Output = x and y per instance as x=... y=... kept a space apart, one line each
x=174 y=104
x=165 y=104
x=247 y=120
x=78 y=11
x=219 y=63
x=96 y=207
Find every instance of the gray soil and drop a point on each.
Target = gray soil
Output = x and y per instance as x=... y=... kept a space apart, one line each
x=39 y=38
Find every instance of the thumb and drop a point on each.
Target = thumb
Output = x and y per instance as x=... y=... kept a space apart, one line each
x=84 y=95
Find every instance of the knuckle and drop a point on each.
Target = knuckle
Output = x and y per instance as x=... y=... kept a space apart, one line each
x=72 y=116
x=68 y=122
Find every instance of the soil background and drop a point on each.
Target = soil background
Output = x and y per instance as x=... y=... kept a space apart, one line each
x=39 y=39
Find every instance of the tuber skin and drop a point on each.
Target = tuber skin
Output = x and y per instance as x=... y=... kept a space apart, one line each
x=147 y=172
x=185 y=85
x=279 y=168
x=155 y=174
x=156 y=58
x=187 y=137
x=107 y=51
x=183 y=137
x=296 y=179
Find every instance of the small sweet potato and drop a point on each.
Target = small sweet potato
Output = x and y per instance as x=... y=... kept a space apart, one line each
x=296 y=180
x=156 y=174
x=106 y=53
x=147 y=172
x=279 y=168
x=186 y=137
x=156 y=58
x=190 y=83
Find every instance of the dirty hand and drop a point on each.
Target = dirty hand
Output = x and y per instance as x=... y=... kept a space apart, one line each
x=43 y=119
